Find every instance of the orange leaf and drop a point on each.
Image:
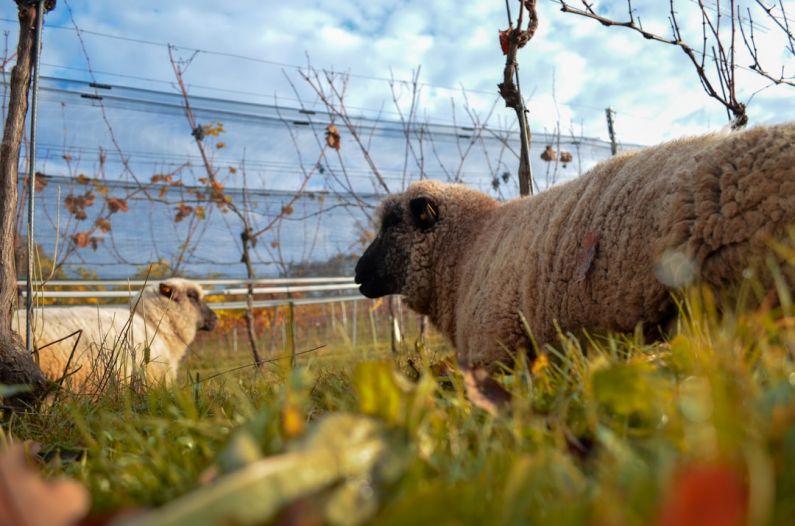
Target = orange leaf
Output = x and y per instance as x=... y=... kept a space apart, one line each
x=80 y=239
x=161 y=178
x=333 y=138
x=31 y=500
x=183 y=211
x=504 y=40
x=103 y=224
x=101 y=189
x=706 y=495
x=40 y=182
x=549 y=154
x=117 y=204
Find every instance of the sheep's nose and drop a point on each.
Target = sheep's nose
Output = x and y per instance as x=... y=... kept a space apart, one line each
x=363 y=268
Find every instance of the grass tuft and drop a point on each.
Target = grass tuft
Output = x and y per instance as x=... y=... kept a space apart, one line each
x=607 y=430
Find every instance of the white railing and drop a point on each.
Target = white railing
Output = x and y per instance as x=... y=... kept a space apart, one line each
x=328 y=289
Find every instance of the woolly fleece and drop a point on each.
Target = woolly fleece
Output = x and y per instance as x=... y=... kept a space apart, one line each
x=591 y=253
x=164 y=324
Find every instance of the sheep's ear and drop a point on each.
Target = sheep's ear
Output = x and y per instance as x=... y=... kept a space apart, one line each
x=166 y=290
x=424 y=212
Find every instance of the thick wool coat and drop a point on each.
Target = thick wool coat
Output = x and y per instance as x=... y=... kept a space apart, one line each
x=602 y=252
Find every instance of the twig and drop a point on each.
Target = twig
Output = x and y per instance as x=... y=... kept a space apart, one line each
x=725 y=93
x=750 y=44
x=509 y=88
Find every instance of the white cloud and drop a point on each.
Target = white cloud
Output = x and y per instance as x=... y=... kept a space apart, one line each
x=454 y=42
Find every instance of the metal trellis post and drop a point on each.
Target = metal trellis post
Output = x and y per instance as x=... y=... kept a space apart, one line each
x=32 y=173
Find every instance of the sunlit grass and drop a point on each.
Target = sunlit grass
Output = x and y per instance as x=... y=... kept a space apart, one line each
x=602 y=430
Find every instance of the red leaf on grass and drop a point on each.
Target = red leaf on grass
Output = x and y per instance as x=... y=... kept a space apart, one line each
x=26 y=498
x=706 y=495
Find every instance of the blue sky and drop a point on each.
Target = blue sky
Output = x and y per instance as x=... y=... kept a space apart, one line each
x=570 y=72
x=251 y=51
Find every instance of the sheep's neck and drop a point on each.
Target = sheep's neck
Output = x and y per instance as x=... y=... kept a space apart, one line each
x=452 y=250
x=172 y=332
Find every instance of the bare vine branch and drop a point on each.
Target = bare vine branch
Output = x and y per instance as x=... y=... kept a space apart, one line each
x=512 y=39
x=713 y=45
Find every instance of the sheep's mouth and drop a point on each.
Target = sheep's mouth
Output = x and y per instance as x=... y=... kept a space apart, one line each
x=372 y=273
x=371 y=288
x=208 y=319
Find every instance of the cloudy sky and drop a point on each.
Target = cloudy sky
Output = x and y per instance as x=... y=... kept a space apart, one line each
x=570 y=72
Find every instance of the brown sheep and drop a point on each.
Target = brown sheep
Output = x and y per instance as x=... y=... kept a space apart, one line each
x=158 y=332
x=591 y=254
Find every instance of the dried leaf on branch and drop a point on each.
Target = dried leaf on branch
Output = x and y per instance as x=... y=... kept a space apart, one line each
x=117 y=204
x=549 y=154
x=333 y=137
x=162 y=178
x=504 y=40
x=103 y=224
x=76 y=204
x=40 y=181
x=183 y=211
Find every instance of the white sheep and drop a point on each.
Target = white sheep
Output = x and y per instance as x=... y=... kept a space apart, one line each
x=152 y=338
x=594 y=253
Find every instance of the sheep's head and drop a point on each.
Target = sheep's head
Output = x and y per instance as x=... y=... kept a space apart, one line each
x=414 y=228
x=190 y=297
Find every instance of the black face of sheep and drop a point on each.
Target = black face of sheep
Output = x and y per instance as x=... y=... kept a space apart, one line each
x=383 y=267
x=181 y=291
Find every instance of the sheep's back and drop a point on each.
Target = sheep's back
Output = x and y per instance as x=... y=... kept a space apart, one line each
x=587 y=254
x=742 y=195
x=104 y=333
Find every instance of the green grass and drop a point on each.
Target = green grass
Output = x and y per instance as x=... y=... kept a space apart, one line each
x=607 y=431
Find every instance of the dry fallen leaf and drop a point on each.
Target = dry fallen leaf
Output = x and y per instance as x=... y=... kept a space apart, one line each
x=27 y=499
x=709 y=494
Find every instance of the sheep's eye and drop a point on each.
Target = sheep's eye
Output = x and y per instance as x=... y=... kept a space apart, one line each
x=193 y=295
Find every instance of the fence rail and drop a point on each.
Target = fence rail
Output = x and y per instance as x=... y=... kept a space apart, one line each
x=323 y=289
